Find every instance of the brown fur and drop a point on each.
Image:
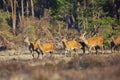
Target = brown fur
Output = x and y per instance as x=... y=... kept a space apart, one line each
x=46 y=47
x=33 y=46
x=93 y=42
x=71 y=45
x=116 y=42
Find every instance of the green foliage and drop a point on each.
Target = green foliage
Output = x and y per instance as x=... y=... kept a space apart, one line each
x=107 y=41
x=4 y=27
x=110 y=20
x=60 y=8
x=3 y=17
x=85 y=16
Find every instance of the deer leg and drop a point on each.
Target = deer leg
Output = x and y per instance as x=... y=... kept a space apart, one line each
x=38 y=52
x=32 y=54
x=83 y=50
x=118 y=48
x=51 y=53
x=96 y=50
x=111 y=46
x=31 y=49
x=66 y=53
x=90 y=49
x=76 y=52
x=71 y=54
x=103 y=48
x=113 y=49
x=41 y=52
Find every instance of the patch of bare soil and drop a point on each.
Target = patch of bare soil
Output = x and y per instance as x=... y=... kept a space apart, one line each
x=19 y=65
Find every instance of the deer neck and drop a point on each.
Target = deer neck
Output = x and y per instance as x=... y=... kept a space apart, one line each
x=27 y=41
x=40 y=45
x=85 y=41
x=64 y=44
x=113 y=39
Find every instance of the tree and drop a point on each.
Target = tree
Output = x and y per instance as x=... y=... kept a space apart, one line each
x=13 y=6
x=22 y=9
x=32 y=7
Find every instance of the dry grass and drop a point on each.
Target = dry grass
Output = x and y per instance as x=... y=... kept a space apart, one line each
x=85 y=67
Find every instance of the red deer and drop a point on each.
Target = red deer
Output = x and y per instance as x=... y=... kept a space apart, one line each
x=93 y=42
x=33 y=46
x=46 y=47
x=115 y=42
x=71 y=45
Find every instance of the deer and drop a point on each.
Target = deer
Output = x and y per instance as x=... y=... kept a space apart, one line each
x=71 y=45
x=93 y=42
x=115 y=43
x=48 y=47
x=40 y=48
x=32 y=46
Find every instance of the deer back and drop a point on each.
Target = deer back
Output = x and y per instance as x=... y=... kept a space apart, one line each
x=47 y=47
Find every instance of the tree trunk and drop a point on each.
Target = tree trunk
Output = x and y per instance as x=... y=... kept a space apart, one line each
x=32 y=6
x=117 y=2
x=22 y=9
x=27 y=8
x=20 y=17
x=13 y=6
x=84 y=4
x=77 y=6
x=14 y=18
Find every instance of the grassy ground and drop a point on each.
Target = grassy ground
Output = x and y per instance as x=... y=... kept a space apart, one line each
x=19 y=65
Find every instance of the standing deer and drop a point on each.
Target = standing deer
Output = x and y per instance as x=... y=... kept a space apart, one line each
x=40 y=48
x=71 y=45
x=115 y=43
x=33 y=46
x=93 y=42
x=46 y=47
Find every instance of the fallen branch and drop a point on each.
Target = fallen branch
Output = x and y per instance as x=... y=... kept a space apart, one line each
x=6 y=43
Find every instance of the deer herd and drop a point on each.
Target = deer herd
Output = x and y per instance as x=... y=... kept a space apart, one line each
x=96 y=42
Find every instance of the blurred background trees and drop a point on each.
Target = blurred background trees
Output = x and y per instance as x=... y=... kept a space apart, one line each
x=60 y=16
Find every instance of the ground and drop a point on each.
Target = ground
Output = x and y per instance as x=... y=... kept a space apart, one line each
x=19 y=65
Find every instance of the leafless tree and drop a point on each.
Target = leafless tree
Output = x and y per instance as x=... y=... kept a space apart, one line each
x=32 y=7
x=13 y=7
